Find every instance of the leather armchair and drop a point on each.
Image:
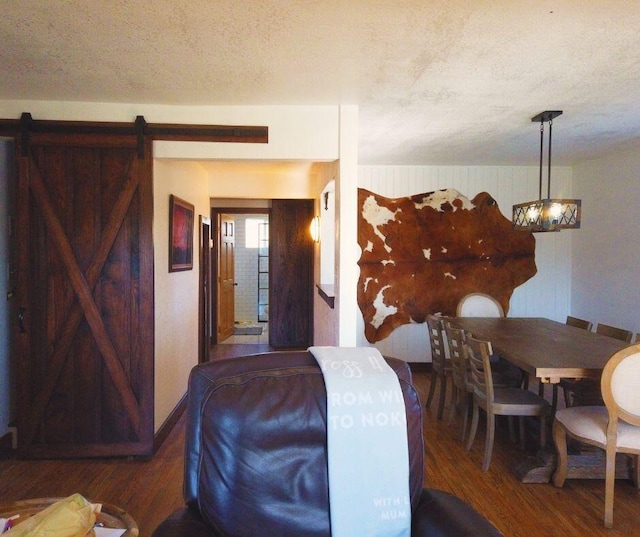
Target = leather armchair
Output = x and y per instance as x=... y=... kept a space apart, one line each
x=256 y=461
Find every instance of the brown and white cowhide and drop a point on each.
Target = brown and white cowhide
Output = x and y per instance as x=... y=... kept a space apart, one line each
x=421 y=254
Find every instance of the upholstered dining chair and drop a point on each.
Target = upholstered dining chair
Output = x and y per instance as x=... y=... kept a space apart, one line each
x=498 y=401
x=587 y=391
x=479 y=305
x=440 y=363
x=614 y=427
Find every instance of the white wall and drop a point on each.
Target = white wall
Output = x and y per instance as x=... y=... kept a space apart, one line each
x=325 y=318
x=547 y=294
x=176 y=293
x=606 y=250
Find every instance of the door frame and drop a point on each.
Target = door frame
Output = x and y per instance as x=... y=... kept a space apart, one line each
x=204 y=301
x=215 y=211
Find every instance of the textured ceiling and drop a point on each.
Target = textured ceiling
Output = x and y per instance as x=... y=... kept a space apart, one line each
x=436 y=82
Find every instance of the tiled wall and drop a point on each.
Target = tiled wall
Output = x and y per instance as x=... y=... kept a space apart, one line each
x=246 y=272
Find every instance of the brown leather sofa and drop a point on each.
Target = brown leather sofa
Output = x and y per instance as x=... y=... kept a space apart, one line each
x=256 y=461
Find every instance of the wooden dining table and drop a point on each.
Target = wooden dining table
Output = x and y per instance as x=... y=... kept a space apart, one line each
x=549 y=351
x=545 y=349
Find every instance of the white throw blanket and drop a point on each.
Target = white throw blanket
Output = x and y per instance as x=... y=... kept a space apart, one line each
x=367 y=446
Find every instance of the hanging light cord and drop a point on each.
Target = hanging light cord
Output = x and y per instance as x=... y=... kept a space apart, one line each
x=549 y=163
x=541 y=149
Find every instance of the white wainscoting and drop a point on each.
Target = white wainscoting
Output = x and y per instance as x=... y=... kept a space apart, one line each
x=547 y=294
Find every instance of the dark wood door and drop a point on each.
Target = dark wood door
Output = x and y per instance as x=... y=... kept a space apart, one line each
x=291 y=271
x=85 y=292
x=226 y=276
x=204 y=302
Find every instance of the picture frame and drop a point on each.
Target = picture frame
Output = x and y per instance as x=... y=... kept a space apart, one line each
x=181 y=219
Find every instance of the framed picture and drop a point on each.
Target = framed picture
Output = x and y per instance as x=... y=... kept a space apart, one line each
x=180 y=234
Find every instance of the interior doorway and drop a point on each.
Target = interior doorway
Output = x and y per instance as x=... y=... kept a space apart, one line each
x=250 y=280
x=241 y=291
x=284 y=309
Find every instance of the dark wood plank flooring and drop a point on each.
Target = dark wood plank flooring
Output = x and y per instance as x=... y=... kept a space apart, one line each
x=151 y=489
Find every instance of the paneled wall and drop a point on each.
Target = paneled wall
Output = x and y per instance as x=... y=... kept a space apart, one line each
x=547 y=294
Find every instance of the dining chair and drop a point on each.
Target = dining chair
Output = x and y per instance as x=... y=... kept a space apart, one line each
x=614 y=427
x=440 y=363
x=479 y=305
x=587 y=391
x=462 y=398
x=579 y=323
x=498 y=401
x=462 y=385
x=565 y=384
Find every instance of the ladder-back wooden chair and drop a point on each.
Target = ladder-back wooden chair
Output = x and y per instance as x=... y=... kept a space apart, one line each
x=498 y=401
x=440 y=363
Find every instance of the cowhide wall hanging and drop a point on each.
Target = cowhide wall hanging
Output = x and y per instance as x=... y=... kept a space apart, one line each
x=421 y=254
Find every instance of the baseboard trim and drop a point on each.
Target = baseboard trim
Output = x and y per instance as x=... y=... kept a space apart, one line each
x=169 y=423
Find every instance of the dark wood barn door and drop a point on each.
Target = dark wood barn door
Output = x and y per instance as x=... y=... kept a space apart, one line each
x=291 y=273
x=85 y=265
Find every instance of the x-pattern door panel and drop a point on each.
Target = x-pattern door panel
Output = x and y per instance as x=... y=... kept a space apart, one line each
x=86 y=292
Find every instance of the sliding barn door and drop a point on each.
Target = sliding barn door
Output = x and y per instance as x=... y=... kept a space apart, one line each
x=291 y=271
x=85 y=341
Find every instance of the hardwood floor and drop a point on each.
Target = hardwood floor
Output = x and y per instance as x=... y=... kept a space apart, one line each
x=151 y=489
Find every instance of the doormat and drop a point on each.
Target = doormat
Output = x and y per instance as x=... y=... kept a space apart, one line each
x=247 y=331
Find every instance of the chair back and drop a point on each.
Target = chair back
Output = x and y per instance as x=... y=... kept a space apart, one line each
x=612 y=331
x=479 y=353
x=579 y=323
x=439 y=360
x=479 y=305
x=256 y=444
x=459 y=363
x=620 y=385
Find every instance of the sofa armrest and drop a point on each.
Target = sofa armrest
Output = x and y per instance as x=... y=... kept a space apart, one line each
x=441 y=514
x=185 y=522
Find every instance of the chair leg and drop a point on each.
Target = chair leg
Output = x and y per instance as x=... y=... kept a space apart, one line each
x=468 y=407
x=455 y=403
x=512 y=430
x=432 y=388
x=488 y=447
x=610 y=479
x=523 y=433
x=554 y=401
x=474 y=426
x=443 y=395
x=543 y=431
x=560 y=441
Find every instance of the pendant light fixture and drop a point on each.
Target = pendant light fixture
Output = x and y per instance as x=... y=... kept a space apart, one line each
x=546 y=214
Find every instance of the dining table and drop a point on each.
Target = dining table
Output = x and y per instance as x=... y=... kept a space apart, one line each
x=545 y=349
x=549 y=351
